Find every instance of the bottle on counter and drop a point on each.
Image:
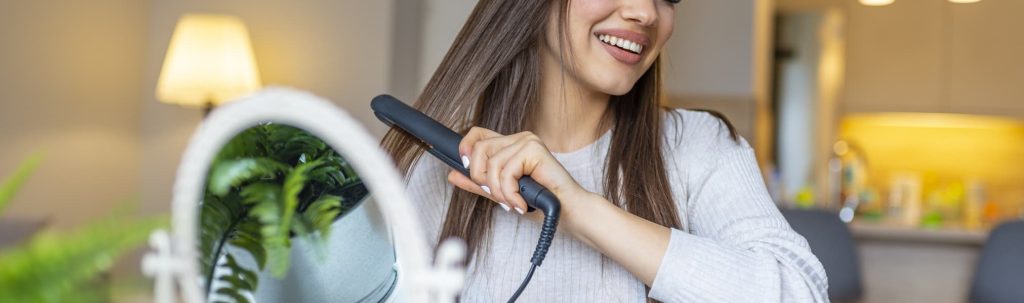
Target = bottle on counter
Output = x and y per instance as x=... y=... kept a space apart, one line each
x=905 y=198
x=974 y=204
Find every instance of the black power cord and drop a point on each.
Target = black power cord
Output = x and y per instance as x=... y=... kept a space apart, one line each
x=547 y=234
x=522 y=286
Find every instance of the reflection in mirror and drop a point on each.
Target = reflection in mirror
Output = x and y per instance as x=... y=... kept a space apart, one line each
x=284 y=219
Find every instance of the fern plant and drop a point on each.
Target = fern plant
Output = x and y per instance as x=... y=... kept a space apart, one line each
x=267 y=185
x=66 y=267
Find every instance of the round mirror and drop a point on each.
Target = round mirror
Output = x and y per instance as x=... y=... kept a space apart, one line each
x=283 y=197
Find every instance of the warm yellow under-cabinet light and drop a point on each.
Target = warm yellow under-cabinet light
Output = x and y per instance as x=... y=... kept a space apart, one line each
x=209 y=61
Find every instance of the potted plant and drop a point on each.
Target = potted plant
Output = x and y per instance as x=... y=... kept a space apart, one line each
x=267 y=187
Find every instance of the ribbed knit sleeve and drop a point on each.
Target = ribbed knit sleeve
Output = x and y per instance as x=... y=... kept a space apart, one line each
x=738 y=248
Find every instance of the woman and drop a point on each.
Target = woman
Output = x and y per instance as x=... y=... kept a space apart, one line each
x=657 y=204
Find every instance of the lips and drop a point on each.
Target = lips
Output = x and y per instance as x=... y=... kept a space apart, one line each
x=625 y=46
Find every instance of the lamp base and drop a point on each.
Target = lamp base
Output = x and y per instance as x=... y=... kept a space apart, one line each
x=207 y=108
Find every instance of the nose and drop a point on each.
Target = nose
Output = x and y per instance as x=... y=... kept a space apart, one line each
x=642 y=12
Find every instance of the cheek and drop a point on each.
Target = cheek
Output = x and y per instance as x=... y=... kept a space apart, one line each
x=666 y=24
x=583 y=15
x=591 y=10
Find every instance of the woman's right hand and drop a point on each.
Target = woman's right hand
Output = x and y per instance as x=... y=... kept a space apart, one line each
x=496 y=162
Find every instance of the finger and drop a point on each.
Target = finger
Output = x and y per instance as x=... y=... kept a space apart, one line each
x=477 y=163
x=461 y=181
x=481 y=152
x=494 y=164
x=475 y=134
x=509 y=181
x=519 y=165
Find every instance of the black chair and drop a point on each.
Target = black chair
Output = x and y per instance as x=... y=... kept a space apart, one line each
x=1000 y=273
x=831 y=241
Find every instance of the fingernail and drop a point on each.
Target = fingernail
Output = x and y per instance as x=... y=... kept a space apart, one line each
x=520 y=211
x=486 y=189
x=465 y=161
x=504 y=206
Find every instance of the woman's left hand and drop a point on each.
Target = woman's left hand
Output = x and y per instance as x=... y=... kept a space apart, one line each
x=496 y=162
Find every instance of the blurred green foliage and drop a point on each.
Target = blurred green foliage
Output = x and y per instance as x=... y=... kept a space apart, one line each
x=66 y=267
x=267 y=185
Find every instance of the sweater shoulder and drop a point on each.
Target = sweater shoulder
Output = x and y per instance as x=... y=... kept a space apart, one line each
x=702 y=133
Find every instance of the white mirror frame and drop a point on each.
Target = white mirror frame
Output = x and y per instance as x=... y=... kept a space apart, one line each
x=173 y=258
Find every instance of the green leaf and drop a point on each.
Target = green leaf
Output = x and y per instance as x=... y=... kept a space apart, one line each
x=247 y=144
x=237 y=279
x=277 y=239
x=233 y=294
x=247 y=237
x=241 y=273
x=218 y=219
x=278 y=255
x=294 y=182
x=322 y=213
x=15 y=181
x=64 y=267
x=231 y=173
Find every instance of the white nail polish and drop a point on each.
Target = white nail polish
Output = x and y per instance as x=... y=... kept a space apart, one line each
x=520 y=211
x=504 y=206
x=486 y=189
x=465 y=161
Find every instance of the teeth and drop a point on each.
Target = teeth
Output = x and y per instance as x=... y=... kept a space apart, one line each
x=621 y=43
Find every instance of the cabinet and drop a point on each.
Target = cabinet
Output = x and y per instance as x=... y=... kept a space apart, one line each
x=893 y=57
x=936 y=56
x=987 y=58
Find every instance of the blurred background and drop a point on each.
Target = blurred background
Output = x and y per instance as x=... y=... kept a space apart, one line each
x=903 y=119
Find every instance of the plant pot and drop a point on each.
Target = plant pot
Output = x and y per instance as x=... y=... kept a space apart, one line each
x=356 y=264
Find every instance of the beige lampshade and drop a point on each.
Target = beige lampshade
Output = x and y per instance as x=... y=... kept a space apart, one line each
x=876 y=2
x=210 y=60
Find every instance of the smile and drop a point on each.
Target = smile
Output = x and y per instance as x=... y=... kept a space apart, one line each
x=622 y=43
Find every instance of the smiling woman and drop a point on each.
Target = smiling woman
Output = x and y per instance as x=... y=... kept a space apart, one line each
x=657 y=204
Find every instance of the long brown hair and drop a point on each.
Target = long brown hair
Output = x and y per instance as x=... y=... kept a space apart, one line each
x=491 y=77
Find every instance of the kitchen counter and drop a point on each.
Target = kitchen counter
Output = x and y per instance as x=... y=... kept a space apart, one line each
x=912 y=264
x=884 y=231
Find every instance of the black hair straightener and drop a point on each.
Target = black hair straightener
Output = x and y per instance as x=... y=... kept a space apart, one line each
x=443 y=143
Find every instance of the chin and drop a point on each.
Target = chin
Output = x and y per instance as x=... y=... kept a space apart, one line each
x=619 y=92
x=618 y=87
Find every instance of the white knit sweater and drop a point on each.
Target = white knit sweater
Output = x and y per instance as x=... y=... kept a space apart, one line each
x=735 y=246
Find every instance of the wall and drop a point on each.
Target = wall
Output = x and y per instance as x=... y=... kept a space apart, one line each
x=70 y=86
x=710 y=53
x=340 y=50
x=442 y=20
x=719 y=58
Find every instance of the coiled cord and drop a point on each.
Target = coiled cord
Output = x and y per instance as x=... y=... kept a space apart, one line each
x=547 y=234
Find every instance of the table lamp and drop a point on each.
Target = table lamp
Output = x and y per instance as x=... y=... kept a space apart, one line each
x=209 y=61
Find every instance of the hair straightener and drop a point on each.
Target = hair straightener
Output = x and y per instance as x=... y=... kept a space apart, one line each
x=443 y=143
